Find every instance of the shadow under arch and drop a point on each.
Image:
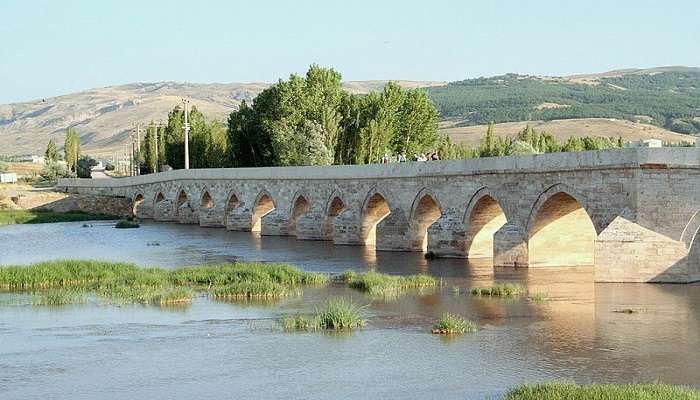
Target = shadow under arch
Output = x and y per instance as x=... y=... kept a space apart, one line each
x=299 y=206
x=425 y=210
x=180 y=200
x=560 y=230
x=264 y=204
x=374 y=209
x=157 y=199
x=334 y=206
x=483 y=217
x=136 y=204
x=206 y=201
x=232 y=202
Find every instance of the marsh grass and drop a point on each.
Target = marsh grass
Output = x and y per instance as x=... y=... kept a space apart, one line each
x=337 y=313
x=41 y=216
x=378 y=284
x=538 y=297
x=451 y=324
x=124 y=224
x=126 y=283
x=251 y=290
x=59 y=297
x=499 y=290
x=571 y=391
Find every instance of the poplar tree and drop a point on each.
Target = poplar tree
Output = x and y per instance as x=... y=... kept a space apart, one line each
x=51 y=154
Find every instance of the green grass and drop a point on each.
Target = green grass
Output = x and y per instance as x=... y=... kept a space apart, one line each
x=39 y=216
x=500 y=290
x=252 y=290
x=450 y=324
x=124 y=224
x=337 y=313
x=376 y=283
x=570 y=391
x=127 y=283
x=59 y=297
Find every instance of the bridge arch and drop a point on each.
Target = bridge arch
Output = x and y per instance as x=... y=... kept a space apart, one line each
x=374 y=209
x=264 y=204
x=158 y=199
x=483 y=217
x=334 y=206
x=425 y=211
x=560 y=230
x=137 y=204
x=206 y=201
x=300 y=205
x=232 y=202
x=181 y=199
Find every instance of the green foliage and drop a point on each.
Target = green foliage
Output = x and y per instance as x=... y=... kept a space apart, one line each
x=670 y=99
x=572 y=391
x=341 y=313
x=71 y=149
x=451 y=324
x=311 y=120
x=51 y=153
x=249 y=290
x=3 y=167
x=208 y=142
x=39 y=216
x=52 y=171
x=84 y=167
x=500 y=290
x=124 y=224
x=59 y=297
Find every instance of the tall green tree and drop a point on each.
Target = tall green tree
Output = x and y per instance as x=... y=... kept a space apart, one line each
x=51 y=153
x=71 y=149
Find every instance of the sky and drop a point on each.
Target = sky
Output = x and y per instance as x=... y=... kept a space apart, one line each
x=49 y=48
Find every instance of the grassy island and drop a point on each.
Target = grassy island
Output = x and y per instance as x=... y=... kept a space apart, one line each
x=67 y=281
x=571 y=391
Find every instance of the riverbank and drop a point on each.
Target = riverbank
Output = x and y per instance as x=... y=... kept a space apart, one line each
x=571 y=391
x=41 y=216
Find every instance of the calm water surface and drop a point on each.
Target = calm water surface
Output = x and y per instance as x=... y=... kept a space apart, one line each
x=215 y=350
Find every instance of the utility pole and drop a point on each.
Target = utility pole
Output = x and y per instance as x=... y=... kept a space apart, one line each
x=137 y=132
x=186 y=127
x=157 y=126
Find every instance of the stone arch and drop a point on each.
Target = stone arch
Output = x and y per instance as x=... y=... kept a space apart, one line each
x=264 y=204
x=180 y=200
x=425 y=211
x=300 y=205
x=232 y=202
x=483 y=217
x=137 y=204
x=334 y=206
x=560 y=230
x=374 y=209
x=206 y=200
x=157 y=200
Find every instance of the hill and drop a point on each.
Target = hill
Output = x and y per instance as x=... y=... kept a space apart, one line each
x=667 y=97
x=104 y=117
x=562 y=129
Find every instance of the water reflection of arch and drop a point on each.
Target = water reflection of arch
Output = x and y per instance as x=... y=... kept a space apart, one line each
x=560 y=229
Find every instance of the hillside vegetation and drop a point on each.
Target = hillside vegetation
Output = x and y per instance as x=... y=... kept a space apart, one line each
x=669 y=99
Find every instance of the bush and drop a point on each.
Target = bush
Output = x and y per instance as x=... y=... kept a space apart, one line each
x=109 y=167
x=85 y=164
x=124 y=224
x=53 y=171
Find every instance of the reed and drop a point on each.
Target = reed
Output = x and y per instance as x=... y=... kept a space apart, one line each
x=59 y=297
x=572 y=391
x=250 y=290
x=499 y=290
x=341 y=313
x=376 y=283
x=451 y=324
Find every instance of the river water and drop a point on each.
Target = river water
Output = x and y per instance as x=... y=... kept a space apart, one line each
x=215 y=350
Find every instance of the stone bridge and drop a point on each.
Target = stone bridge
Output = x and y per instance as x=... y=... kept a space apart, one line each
x=631 y=213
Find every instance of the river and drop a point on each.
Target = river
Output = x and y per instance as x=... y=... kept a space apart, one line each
x=215 y=350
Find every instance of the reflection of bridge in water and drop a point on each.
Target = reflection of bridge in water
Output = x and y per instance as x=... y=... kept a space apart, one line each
x=631 y=213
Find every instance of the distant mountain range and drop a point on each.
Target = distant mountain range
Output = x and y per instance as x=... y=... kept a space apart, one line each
x=650 y=102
